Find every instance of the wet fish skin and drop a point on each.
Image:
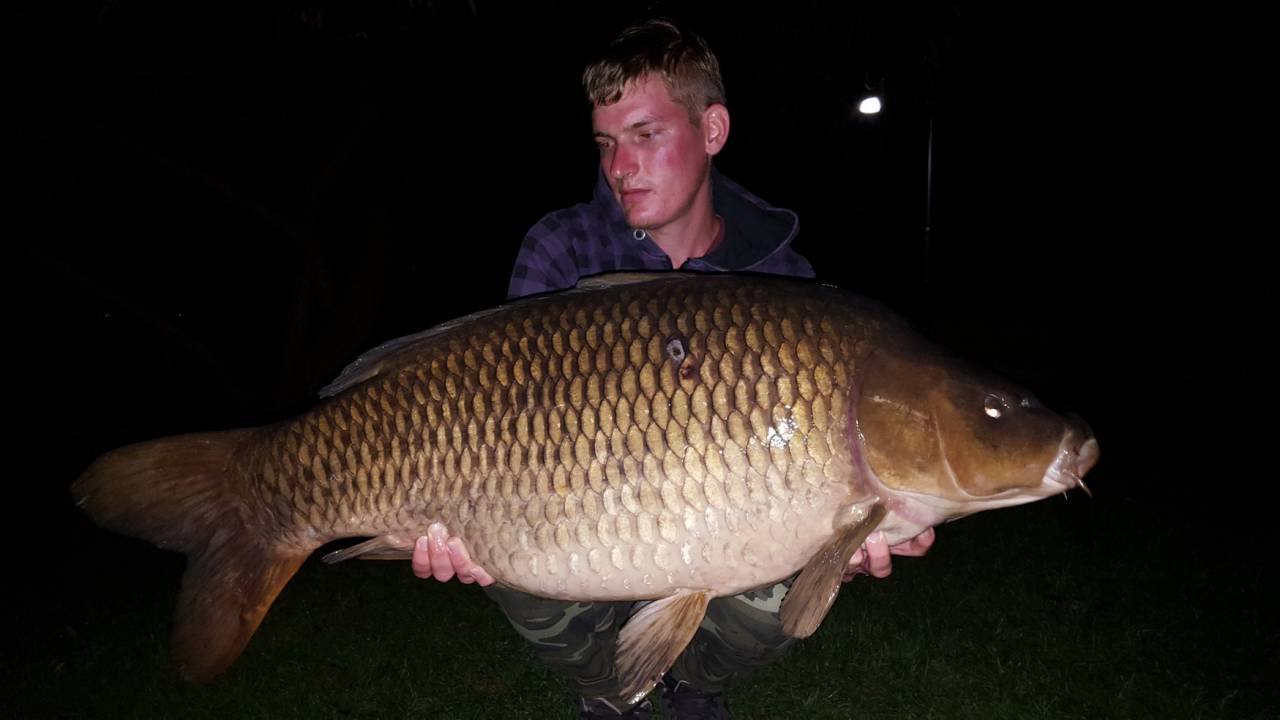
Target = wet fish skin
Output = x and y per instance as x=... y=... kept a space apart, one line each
x=577 y=457
x=672 y=438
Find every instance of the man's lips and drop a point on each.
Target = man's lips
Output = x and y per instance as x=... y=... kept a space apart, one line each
x=631 y=195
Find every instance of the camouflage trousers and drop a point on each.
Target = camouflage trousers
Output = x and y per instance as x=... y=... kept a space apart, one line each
x=577 y=639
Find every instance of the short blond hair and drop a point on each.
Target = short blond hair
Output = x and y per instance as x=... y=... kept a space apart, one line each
x=657 y=48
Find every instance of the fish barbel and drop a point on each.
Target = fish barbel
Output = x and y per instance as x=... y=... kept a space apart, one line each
x=665 y=437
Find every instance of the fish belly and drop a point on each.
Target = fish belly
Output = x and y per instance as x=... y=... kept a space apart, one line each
x=626 y=555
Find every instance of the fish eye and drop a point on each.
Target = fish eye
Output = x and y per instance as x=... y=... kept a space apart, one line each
x=995 y=406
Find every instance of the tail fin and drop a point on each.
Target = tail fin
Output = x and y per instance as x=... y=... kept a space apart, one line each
x=185 y=493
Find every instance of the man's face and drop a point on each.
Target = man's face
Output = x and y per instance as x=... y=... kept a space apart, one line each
x=655 y=159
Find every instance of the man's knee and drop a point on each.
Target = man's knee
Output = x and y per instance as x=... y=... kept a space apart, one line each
x=574 y=639
x=555 y=623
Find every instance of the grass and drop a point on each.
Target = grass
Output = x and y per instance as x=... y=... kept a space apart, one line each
x=1062 y=609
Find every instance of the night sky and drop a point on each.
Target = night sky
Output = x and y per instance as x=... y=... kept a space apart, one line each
x=234 y=203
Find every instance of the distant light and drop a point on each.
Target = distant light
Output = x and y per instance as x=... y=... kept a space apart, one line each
x=870 y=105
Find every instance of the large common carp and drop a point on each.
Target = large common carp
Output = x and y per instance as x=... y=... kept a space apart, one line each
x=671 y=437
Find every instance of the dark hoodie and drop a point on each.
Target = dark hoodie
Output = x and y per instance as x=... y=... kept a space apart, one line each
x=593 y=238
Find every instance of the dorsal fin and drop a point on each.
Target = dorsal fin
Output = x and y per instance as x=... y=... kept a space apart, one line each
x=615 y=279
x=374 y=362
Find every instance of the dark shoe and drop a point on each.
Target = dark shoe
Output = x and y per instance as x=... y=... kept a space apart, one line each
x=602 y=710
x=680 y=701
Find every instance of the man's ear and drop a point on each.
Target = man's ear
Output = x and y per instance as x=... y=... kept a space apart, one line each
x=715 y=127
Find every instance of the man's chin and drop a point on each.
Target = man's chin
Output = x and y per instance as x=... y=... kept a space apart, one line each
x=641 y=220
x=639 y=216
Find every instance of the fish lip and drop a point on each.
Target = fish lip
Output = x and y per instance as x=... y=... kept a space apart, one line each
x=1078 y=452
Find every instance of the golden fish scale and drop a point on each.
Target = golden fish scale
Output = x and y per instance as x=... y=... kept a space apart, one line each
x=577 y=459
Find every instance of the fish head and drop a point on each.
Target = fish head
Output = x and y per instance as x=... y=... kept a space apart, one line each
x=949 y=440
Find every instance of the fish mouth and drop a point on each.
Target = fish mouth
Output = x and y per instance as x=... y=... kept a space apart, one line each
x=1077 y=454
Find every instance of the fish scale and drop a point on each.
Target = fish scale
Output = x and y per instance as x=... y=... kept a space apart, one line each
x=574 y=403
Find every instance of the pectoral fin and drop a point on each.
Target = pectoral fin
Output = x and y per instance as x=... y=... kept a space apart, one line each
x=653 y=638
x=813 y=593
x=383 y=547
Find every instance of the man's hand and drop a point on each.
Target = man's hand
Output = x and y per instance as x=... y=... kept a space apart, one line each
x=439 y=556
x=873 y=557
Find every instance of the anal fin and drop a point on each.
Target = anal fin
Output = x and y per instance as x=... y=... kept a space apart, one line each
x=653 y=638
x=815 y=590
x=383 y=547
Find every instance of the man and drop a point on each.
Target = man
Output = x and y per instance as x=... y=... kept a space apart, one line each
x=659 y=118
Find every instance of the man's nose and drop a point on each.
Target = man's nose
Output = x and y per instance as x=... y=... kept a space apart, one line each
x=622 y=163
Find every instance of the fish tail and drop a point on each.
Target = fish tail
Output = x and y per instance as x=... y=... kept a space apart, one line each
x=187 y=493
